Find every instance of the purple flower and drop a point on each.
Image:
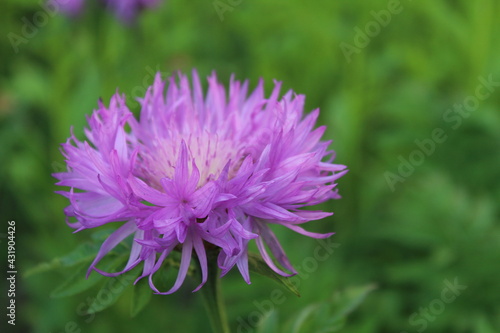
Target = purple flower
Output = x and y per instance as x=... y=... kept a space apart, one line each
x=199 y=172
x=125 y=10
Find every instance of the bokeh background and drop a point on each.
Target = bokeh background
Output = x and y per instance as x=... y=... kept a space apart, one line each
x=378 y=94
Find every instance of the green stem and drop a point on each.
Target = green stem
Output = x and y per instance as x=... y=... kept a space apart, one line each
x=213 y=300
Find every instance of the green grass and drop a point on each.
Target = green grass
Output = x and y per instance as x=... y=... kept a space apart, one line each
x=441 y=223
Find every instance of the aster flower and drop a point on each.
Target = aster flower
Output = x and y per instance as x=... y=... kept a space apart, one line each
x=195 y=173
x=125 y=10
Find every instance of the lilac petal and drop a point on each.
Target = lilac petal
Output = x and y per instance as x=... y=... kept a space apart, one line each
x=113 y=240
x=325 y=179
x=268 y=260
x=242 y=264
x=313 y=215
x=181 y=232
x=306 y=215
x=166 y=226
x=227 y=244
x=271 y=102
x=198 y=97
x=133 y=260
x=100 y=166
x=142 y=190
x=193 y=179
x=308 y=123
x=75 y=225
x=312 y=139
x=296 y=162
x=181 y=168
x=215 y=97
x=238 y=229
x=170 y=188
x=166 y=240
x=187 y=249
x=269 y=210
x=221 y=262
x=264 y=158
x=149 y=262
x=223 y=229
x=308 y=233
x=222 y=197
x=94 y=210
x=127 y=268
x=120 y=148
x=118 y=192
x=284 y=183
x=331 y=167
x=253 y=193
x=204 y=198
x=202 y=258
x=147 y=242
x=157 y=266
x=275 y=247
x=93 y=204
x=224 y=173
x=226 y=263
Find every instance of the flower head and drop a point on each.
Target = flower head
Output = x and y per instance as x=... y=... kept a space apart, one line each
x=196 y=172
x=125 y=10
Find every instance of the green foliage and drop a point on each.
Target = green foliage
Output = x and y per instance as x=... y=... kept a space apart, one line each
x=77 y=282
x=82 y=255
x=325 y=317
x=258 y=265
x=441 y=222
x=112 y=291
x=141 y=297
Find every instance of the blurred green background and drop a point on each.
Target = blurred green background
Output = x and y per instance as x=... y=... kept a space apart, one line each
x=381 y=85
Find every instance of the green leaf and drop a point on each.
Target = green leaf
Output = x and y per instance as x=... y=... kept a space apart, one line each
x=346 y=301
x=302 y=317
x=141 y=296
x=258 y=265
x=316 y=318
x=102 y=234
x=43 y=267
x=328 y=316
x=77 y=282
x=83 y=253
x=484 y=326
x=112 y=290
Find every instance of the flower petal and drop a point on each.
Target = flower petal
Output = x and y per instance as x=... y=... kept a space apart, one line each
x=187 y=249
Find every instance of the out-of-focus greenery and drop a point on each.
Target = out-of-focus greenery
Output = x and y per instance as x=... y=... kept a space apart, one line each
x=441 y=223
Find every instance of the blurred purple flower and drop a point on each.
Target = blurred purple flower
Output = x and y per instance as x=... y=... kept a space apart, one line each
x=199 y=172
x=125 y=10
